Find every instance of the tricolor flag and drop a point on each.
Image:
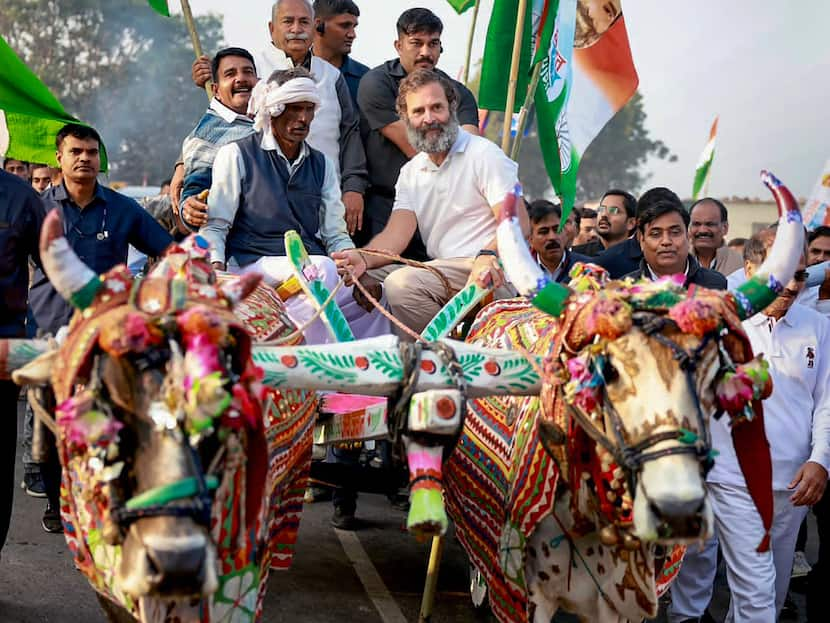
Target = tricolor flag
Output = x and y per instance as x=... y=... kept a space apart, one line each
x=30 y=116
x=704 y=165
x=461 y=5
x=160 y=7
x=587 y=75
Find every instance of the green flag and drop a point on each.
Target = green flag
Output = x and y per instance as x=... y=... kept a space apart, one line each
x=462 y=5
x=160 y=7
x=498 y=50
x=30 y=116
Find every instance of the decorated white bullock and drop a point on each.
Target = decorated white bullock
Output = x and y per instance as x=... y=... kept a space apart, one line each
x=183 y=475
x=582 y=496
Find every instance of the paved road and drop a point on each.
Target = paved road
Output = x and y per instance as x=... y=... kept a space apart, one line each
x=326 y=584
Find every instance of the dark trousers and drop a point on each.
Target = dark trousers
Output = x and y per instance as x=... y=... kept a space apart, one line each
x=819 y=578
x=8 y=447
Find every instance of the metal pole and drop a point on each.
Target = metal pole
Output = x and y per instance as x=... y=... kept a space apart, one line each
x=194 y=39
x=470 y=38
x=436 y=551
x=514 y=76
x=520 y=127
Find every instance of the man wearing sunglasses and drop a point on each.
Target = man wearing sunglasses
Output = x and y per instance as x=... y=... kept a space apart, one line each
x=616 y=220
x=796 y=343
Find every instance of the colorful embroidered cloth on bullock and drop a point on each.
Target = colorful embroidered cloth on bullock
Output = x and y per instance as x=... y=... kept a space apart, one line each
x=256 y=509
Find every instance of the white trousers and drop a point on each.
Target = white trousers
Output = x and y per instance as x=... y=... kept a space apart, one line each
x=758 y=582
x=275 y=270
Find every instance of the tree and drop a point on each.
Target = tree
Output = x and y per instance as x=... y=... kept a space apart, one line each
x=119 y=66
x=616 y=157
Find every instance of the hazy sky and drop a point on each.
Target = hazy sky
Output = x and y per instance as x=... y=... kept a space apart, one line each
x=762 y=65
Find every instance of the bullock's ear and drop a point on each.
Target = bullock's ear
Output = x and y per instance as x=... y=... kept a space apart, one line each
x=120 y=381
x=239 y=289
x=36 y=372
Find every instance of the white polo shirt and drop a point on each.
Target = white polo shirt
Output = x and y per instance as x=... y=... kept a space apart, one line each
x=797 y=414
x=452 y=203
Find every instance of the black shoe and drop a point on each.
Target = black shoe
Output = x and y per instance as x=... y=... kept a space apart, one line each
x=51 y=521
x=789 y=611
x=314 y=494
x=33 y=485
x=344 y=520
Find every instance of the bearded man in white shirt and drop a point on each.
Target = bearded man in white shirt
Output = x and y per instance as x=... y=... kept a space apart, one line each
x=271 y=182
x=451 y=191
x=795 y=340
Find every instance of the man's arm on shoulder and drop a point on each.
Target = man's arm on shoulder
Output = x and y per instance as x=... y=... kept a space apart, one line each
x=376 y=97
x=228 y=174
x=353 y=173
x=332 y=215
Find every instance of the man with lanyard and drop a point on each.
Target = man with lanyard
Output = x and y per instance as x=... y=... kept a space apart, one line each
x=387 y=146
x=335 y=23
x=548 y=245
x=226 y=120
x=664 y=239
x=451 y=191
x=100 y=224
x=335 y=131
x=20 y=216
x=272 y=181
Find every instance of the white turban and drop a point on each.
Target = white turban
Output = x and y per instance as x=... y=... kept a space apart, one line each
x=269 y=100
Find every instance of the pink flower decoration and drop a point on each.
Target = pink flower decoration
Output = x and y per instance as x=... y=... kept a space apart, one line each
x=695 y=316
x=201 y=358
x=82 y=425
x=734 y=392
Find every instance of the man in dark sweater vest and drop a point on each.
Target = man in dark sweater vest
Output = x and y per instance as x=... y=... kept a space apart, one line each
x=272 y=181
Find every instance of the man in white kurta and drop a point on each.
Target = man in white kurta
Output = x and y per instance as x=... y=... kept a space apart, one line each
x=795 y=340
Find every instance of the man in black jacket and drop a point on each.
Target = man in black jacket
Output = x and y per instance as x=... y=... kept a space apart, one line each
x=20 y=216
x=663 y=234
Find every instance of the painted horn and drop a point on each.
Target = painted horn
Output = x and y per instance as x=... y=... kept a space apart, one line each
x=75 y=281
x=522 y=270
x=768 y=282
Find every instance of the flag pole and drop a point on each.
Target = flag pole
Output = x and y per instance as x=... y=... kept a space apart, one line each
x=514 y=75
x=470 y=38
x=194 y=38
x=523 y=113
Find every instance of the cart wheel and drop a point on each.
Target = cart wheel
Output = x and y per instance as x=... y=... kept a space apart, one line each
x=478 y=589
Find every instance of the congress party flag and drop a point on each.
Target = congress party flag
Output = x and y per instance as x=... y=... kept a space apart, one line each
x=587 y=75
x=30 y=116
x=160 y=7
x=462 y=5
x=704 y=165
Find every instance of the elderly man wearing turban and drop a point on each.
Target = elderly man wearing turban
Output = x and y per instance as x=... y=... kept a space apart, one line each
x=272 y=181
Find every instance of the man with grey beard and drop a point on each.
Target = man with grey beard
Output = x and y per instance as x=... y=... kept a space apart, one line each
x=451 y=191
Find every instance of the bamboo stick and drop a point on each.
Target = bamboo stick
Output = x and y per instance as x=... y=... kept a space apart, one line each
x=520 y=127
x=470 y=38
x=514 y=75
x=194 y=39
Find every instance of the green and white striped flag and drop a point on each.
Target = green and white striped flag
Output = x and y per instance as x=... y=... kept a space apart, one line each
x=704 y=165
x=160 y=7
x=30 y=116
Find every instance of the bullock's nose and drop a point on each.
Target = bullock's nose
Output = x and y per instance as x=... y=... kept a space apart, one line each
x=177 y=571
x=679 y=519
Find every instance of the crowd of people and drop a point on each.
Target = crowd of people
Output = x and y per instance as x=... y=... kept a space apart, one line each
x=301 y=136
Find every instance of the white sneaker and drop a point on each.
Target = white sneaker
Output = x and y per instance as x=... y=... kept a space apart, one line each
x=800 y=565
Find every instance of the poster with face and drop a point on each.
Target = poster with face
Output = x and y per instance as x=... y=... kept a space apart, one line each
x=593 y=18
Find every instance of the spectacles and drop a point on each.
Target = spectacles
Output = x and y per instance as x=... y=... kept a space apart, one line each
x=613 y=210
x=800 y=275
